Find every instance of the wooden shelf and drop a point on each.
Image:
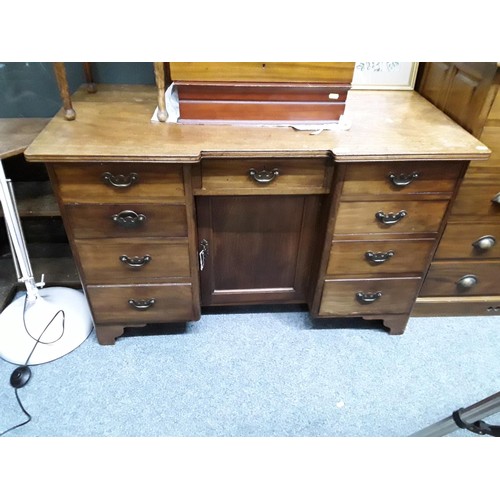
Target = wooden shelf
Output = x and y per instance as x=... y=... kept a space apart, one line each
x=16 y=134
x=35 y=198
x=60 y=271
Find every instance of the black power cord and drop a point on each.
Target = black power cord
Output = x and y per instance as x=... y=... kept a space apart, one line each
x=24 y=411
x=22 y=374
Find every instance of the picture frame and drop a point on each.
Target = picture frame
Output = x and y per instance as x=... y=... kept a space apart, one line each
x=384 y=75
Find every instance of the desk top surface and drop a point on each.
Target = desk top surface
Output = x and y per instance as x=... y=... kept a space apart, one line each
x=115 y=124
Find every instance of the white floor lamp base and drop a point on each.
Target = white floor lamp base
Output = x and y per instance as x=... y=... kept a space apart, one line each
x=65 y=310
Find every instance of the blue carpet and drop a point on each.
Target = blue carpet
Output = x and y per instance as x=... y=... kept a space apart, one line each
x=271 y=373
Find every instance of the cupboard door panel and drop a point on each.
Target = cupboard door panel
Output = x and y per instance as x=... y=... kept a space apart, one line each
x=432 y=85
x=259 y=247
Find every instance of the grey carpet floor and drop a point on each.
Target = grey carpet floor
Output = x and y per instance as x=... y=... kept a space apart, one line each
x=271 y=372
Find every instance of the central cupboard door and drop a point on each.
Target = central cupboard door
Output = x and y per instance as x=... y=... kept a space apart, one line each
x=256 y=249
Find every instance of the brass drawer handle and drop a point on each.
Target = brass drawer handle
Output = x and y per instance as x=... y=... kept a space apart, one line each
x=368 y=298
x=403 y=179
x=120 y=180
x=263 y=176
x=390 y=218
x=496 y=199
x=128 y=218
x=378 y=257
x=142 y=305
x=485 y=242
x=135 y=261
x=467 y=281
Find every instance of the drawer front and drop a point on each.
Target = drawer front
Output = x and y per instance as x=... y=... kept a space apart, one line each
x=377 y=296
x=457 y=306
x=130 y=261
x=462 y=278
x=265 y=176
x=119 y=183
x=390 y=217
x=480 y=186
x=120 y=221
x=379 y=257
x=153 y=303
x=470 y=241
x=253 y=111
x=401 y=177
x=260 y=92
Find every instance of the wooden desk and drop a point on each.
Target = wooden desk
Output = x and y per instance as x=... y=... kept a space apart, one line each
x=165 y=218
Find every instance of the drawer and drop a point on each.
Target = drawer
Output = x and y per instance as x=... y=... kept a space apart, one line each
x=399 y=216
x=470 y=241
x=265 y=176
x=390 y=178
x=447 y=279
x=128 y=260
x=153 y=303
x=377 y=296
x=379 y=257
x=95 y=183
x=480 y=186
x=133 y=220
x=457 y=306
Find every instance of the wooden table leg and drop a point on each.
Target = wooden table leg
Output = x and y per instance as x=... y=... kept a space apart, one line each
x=160 y=85
x=91 y=87
x=62 y=82
x=107 y=334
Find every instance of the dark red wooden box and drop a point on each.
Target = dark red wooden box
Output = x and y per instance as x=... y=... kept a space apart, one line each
x=230 y=102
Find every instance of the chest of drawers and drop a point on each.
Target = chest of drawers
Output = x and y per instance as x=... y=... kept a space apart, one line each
x=464 y=275
x=166 y=219
x=465 y=272
x=129 y=228
x=380 y=250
